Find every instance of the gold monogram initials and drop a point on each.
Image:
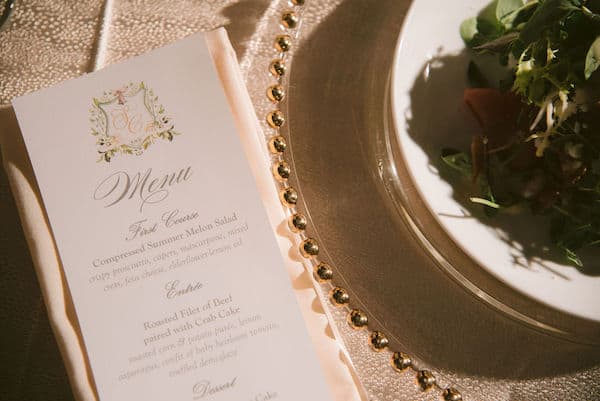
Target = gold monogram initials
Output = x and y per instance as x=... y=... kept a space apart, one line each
x=128 y=118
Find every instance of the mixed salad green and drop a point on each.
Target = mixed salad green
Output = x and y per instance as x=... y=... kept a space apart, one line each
x=539 y=143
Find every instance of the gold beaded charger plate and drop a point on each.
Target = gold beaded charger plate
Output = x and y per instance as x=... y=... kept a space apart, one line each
x=388 y=251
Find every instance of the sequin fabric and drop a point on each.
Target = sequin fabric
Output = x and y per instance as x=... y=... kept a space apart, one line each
x=45 y=42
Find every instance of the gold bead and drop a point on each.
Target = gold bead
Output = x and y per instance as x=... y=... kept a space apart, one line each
x=277 y=144
x=289 y=19
x=277 y=67
x=339 y=296
x=276 y=93
x=275 y=119
x=289 y=196
x=426 y=379
x=297 y=222
x=297 y=2
x=283 y=43
x=401 y=361
x=357 y=319
x=282 y=170
x=323 y=272
x=309 y=248
x=452 y=394
x=378 y=341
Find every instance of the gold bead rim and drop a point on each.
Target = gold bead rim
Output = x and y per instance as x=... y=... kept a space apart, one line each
x=289 y=19
x=289 y=196
x=339 y=296
x=297 y=222
x=323 y=272
x=277 y=144
x=309 y=248
x=283 y=43
x=282 y=170
x=358 y=319
x=378 y=341
x=275 y=119
x=276 y=93
x=426 y=379
x=401 y=361
x=452 y=394
x=278 y=67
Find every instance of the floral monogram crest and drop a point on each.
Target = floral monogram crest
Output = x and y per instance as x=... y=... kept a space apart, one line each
x=128 y=120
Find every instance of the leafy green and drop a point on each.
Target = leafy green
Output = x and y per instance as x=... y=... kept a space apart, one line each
x=461 y=163
x=468 y=30
x=458 y=161
x=592 y=59
x=550 y=158
x=484 y=202
x=507 y=10
x=482 y=28
x=572 y=257
x=547 y=15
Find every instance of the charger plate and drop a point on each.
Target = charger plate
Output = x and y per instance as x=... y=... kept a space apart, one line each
x=390 y=251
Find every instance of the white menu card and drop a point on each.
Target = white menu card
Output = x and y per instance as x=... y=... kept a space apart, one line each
x=178 y=283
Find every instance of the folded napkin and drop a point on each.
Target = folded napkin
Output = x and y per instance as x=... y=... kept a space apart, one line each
x=63 y=319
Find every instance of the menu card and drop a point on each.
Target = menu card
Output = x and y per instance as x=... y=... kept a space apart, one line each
x=178 y=284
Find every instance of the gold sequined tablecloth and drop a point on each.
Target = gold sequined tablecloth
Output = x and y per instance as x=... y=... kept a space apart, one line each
x=340 y=67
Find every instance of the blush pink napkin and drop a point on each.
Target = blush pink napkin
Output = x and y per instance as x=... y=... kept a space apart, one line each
x=48 y=266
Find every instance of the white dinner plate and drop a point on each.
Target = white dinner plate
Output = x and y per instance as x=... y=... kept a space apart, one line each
x=429 y=75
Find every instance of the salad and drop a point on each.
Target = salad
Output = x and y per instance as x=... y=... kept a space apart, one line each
x=535 y=92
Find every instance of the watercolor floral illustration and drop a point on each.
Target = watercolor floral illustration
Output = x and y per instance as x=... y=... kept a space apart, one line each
x=128 y=120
